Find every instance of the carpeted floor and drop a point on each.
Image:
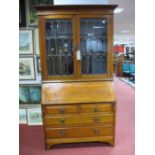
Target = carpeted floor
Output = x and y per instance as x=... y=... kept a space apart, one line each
x=31 y=141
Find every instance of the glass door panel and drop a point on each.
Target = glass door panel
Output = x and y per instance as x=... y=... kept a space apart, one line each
x=93 y=45
x=59 y=47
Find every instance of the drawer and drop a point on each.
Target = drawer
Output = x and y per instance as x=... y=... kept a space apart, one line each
x=89 y=131
x=63 y=109
x=98 y=107
x=79 y=120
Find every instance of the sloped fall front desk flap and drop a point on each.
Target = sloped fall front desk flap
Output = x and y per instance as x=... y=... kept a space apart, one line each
x=78 y=92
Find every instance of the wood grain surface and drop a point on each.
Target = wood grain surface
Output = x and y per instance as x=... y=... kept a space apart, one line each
x=78 y=92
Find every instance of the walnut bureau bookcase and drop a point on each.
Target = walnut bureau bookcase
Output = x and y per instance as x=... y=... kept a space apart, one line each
x=78 y=98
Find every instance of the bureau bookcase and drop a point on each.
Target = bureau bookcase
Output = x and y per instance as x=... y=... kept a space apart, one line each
x=78 y=98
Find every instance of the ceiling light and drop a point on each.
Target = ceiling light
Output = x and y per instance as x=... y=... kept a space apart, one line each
x=98 y=27
x=118 y=10
x=125 y=31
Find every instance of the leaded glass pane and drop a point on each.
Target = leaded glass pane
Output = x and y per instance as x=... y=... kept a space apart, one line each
x=59 y=46
x=93 y=46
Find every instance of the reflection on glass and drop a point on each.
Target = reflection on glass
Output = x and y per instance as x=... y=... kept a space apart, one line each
x=93 y=46
x=59 y=46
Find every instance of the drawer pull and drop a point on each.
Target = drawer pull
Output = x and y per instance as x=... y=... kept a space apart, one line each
x=62 y=132
x=62 y=111
x=96 y=120
x=96 y=131
x=62 y=121
x=96 y=110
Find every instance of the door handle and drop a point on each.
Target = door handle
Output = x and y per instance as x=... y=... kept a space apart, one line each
x=78 y=55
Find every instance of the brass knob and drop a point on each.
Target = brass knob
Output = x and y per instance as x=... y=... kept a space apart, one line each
x=96 y=120
x=63 y=132
x=62 y=110
x=96 y=131
x=96 y=109
x=62 y=121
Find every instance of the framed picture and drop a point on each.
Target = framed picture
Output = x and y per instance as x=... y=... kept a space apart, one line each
x=38 y=65
x=32 y=15
x=26 y=41
x=36 y=36
x=22 y=116
x=26 y=68
x=29 y=94
x=22 y=13
x=34 y=116
x=35 y=94
x=24 y=95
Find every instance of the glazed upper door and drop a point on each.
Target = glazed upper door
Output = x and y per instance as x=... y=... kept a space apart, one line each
x=94 y=46
x=75 y=47
x=58 y=51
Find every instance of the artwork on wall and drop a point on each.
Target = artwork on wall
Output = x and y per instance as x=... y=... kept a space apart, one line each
x=32 y=15
x=29 y=94
x=22 y=116
x=130 y=51
x=24 y=96
x=26 y=41
x=22 y=13
x=34 y=117
x=36 y=34
x=38 y=65
x=35 y=94
x=26 y=68
x=119 y=49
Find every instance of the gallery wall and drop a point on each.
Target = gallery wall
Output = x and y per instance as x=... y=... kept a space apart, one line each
x=29 y=63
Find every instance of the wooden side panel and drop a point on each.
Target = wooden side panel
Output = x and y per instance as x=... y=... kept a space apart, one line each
x=41 y=24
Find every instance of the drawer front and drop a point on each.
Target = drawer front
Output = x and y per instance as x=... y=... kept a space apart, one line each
x=63 y=109
x=106 y=119
x=79 y=132
x=99 y=107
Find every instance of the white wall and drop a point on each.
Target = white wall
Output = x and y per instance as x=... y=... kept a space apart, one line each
x=124 y=38
x=69 y=2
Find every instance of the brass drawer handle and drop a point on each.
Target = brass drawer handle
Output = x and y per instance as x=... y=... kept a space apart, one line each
x=62 y=111
x=96 y=131
x=96 y=120
x=96 y=110
x=62 y=121
x=62 y=132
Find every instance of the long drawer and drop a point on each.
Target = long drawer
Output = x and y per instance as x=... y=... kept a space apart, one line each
x=106 y=119
x=89 y=131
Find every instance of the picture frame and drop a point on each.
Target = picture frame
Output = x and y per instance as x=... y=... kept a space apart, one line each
x=24 y=95
x=22 y=116
x=38 y=65
x=36 y=36
x=27 y=68
x=26 y=41
x=32 y=14
x=29 y=94
x=22 y=13
x=34 y=116
x=35 y=94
